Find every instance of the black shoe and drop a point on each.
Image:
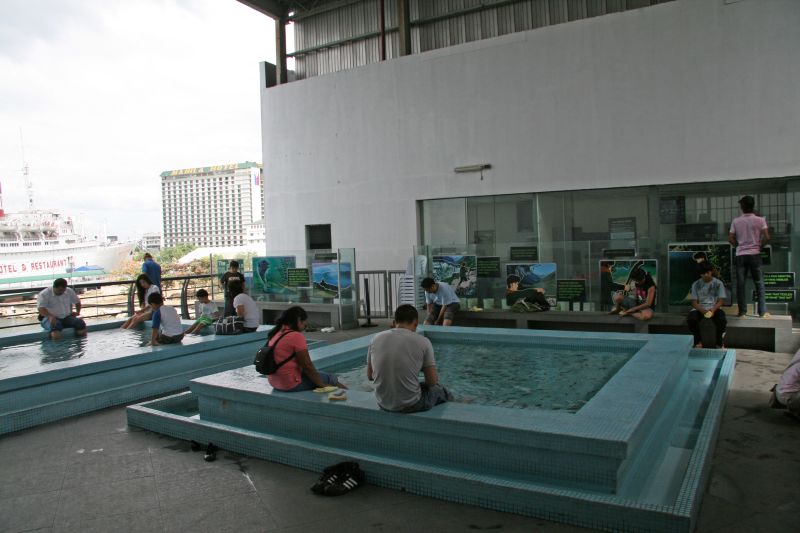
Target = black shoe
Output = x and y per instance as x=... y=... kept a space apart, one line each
x=349 y=481
x=211 y=453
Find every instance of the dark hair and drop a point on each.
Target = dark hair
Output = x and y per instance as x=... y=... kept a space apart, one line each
x=747 y=203
x=291 y=318
x=140 y=291
x=233 y=264
x=59 y=283
x=638 y=274
x=700 y=255
x=706 y=267
x=406 y=314
x=148 y=256
x=155 y=298
x=235 y=287
x=513 y=278
x=427 y=283
x=201 y=293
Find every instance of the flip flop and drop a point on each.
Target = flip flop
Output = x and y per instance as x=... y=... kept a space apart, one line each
x=339 y=396
x=329 y=388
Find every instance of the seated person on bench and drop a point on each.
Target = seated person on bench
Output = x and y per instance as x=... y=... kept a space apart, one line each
x=531 y=299
x=708 y=295
x=640 y=300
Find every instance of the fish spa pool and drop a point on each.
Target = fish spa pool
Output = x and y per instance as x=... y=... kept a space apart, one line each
x=603 y=430
x=42 y=380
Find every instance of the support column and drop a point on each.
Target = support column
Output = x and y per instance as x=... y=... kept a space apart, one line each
x=404 y=27
x=280 y=50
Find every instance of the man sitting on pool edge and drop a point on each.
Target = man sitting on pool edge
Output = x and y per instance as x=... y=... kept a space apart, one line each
x=394 y=360
x=167 y=326
x=442 y=302
x=55 y=310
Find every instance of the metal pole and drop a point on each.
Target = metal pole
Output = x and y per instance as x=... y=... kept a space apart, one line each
x=382 y=24
x=369 y=323
x=184 y=300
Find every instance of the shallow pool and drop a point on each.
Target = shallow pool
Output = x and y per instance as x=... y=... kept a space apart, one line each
x=44 y=354
x=514 y=375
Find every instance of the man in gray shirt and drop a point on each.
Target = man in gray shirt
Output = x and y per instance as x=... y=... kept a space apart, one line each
x=708 y=295
x=394 y=360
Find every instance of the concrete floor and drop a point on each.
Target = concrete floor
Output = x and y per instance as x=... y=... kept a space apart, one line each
x=94 y=473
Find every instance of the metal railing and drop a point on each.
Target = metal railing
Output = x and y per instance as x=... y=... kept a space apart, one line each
x=99 y=300
x=383 y=290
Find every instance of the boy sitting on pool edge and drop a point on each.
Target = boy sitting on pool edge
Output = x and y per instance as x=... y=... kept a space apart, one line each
x=208 y=313
x=167 y=327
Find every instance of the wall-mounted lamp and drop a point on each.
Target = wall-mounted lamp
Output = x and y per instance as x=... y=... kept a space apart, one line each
x=473 y=168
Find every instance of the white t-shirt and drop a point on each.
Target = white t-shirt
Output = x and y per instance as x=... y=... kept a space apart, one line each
x=209 y=310
x=397 y=356
x=152 y=289
x=251 y=314
x=168 y=323
x=60 y=306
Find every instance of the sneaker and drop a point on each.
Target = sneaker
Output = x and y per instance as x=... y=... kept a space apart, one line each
x=741 y=316
x=351 y=479
x=334 y=474
x=765 y=315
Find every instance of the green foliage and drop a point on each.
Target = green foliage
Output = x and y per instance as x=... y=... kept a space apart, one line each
x=169 y=256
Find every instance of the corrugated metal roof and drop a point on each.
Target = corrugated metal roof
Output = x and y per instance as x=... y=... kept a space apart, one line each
x=347 y=36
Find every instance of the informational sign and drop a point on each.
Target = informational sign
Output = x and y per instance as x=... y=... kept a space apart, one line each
x=619 y=253
x=270 y=274
x=705 y=231
x=779 y=280
x=534 y=276
x=571 y=290
x=777 y=296
x=524 y=253
x=222 y=267
x=672 y=210
x=489 y=267
x=485 y=236
x=321 y=257
x=458 y=271
x=622 y=228
x=685 y=262
x=298 y=277
x=766 y=255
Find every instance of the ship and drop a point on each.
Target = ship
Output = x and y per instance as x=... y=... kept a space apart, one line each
x=43 y=244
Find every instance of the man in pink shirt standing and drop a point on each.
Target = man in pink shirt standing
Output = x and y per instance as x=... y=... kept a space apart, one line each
x=749 y=233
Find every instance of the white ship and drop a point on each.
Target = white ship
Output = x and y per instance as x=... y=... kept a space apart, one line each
x=44 y=244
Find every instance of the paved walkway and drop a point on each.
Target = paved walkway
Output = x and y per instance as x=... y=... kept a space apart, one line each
x=94 y=473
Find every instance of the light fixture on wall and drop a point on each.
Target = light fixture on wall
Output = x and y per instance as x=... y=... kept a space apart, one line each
x=473 y=168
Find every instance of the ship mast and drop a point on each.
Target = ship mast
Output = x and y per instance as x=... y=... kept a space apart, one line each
x=25 y=173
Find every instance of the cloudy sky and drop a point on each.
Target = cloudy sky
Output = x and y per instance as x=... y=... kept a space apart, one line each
x=109 y=93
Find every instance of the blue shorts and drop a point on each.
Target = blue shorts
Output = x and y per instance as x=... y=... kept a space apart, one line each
x=69 y=321
x=307 y=384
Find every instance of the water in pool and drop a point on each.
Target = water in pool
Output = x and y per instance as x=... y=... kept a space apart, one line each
x=44 y=354
x=521 y=376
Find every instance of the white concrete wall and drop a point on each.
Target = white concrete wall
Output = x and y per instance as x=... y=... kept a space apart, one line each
x=686 y=91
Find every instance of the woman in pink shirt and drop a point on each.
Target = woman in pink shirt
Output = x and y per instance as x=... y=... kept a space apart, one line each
x=298 y=374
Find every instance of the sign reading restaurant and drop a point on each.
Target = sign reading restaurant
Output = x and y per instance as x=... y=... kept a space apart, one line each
x=18 y=267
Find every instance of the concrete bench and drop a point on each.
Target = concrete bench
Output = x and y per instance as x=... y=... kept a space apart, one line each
x=319 y=314
x=774 y=334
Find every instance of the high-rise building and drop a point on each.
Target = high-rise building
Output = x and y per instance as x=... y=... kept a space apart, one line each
x=211 y=206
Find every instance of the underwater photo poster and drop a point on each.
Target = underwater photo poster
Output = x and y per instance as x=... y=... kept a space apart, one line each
x=327 y=281
x=535 y=276
x=616 y=273
x=458 y=271
x=684 y=261
x=271 y=274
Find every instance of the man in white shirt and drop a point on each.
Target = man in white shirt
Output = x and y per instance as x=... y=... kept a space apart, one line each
x=55 y=310
x=394 y=361
x=442 y=302
x=167 y=327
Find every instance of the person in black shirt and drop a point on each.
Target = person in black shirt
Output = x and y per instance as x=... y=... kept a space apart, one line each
x=640 y=299
x=531 y=299
x=232 y=274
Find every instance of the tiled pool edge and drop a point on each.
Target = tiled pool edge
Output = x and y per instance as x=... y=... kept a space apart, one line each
x=47 y=396
x=569 y=506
